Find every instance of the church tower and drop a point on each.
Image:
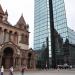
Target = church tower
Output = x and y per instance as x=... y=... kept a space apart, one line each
x=5 y=17
x=14 y=43
x=1 y=13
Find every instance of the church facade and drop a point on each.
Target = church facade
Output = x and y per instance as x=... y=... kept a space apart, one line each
x=14 y=43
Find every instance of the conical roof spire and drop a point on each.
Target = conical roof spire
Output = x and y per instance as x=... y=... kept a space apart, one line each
x=6 y=13
x=1 y=10
x=21 y=20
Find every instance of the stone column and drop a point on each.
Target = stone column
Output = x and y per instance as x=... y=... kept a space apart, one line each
x=0 y=60
x=13 y=61
x=19 y=63
x=34 y=64
x=24 y=62
x=16 y=62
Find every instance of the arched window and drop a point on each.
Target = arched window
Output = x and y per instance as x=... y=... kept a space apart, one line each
x=5 y=30
x=20 y=26
x=0 y=30
x=24 y=39
x=5 y=33
x=16 y=37
x=10 y=35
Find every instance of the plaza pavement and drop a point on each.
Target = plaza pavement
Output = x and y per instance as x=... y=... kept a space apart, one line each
x=45 y=72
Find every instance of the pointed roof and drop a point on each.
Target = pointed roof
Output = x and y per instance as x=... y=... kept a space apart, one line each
x=6 y=13
x=21 y=21
x=1 y=10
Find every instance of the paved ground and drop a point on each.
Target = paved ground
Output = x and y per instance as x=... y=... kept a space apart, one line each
x=44 y=72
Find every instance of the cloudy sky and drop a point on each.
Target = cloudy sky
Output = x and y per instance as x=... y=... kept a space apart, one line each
x=70 y=13
x=16 y=8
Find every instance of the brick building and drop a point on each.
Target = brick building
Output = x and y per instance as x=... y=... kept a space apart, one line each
x=14 y=43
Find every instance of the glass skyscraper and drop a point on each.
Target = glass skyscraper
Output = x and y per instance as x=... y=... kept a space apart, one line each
x=52 y=37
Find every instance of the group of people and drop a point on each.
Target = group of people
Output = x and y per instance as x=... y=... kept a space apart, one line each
x=10 y=70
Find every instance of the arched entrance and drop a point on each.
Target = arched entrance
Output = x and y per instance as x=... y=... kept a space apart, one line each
x=7 y=58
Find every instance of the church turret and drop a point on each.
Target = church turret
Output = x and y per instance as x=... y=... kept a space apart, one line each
x=5 y=17
x=21 y=23
x=1 y=13
x=6 y=13
x=1 y=10
x=21 y=20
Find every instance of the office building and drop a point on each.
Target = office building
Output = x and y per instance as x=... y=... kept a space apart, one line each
x=52 y=38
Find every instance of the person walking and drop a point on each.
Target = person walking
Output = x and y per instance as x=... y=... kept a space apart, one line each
x=2 y=70
x=11 y=70
x=22 y=71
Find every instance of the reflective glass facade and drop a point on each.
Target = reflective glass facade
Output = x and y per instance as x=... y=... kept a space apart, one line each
x=59 y=15
x=71 y=36
x=42 y=24
x=63 y=36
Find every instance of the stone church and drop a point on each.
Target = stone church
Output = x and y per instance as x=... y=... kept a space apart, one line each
x=14 y=43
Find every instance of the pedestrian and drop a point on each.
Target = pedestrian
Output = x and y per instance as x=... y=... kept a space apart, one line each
x=46 y=67
x=11 y=70
x=58 y=67
x=2 y=70
x=70 y=66
x=22 y=71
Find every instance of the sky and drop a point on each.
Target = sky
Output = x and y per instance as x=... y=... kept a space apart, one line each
x=70 y=13
x=16 y=8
